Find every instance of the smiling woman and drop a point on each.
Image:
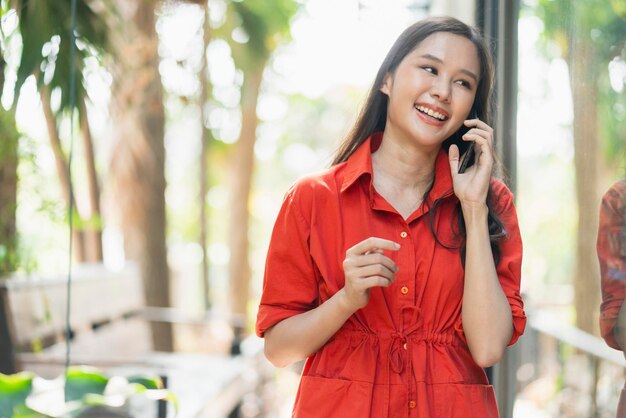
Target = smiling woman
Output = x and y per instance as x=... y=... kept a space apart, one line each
x=396 y=275
x=445 y=66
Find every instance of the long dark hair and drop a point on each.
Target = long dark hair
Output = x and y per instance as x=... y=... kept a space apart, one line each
x=373 y=115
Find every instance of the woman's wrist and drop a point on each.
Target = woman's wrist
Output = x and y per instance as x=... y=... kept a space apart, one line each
x=343 y=303
x=474 y=212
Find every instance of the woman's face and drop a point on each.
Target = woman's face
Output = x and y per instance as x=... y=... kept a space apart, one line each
x=432 y=90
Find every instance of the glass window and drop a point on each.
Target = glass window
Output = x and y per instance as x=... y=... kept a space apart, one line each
x=571 y=149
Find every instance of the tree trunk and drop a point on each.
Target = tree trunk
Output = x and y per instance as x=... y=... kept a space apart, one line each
x=78 y=247
x=243 y=165
x=138 y=160
x=8 y=184
x=8 y=191
x=8 y=206
x=93 y=232
x=205 y=137
x=586 y=153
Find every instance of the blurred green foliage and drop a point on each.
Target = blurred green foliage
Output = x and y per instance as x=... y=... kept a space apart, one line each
x=599 y=26
x=45 y=28
x=85 y=388
x=266 y=24
x=14 y=389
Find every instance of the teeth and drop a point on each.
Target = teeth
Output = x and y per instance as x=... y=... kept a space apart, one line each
x=430 y=112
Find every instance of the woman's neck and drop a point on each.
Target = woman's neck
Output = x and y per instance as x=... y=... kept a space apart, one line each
x=403 y=164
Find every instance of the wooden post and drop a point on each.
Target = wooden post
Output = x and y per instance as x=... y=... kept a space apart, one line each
x=7 y=359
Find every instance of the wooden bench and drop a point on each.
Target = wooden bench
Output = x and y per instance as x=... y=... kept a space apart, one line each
x=110 y=329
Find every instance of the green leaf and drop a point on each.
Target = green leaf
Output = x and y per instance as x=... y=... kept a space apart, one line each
x=92 y=399
x=14 y=389
x=44 y=20
x=149 y=382
x=81 y=380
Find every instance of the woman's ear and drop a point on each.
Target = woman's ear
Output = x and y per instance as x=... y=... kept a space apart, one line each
x=385 y=88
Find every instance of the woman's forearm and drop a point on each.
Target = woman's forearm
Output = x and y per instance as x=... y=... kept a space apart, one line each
x=301 y=335
x=487 y=318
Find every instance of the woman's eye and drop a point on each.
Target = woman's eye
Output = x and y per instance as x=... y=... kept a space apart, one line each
x=464 y=83
x=430 y=70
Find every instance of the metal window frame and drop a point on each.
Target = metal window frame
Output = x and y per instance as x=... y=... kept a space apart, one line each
x=498 y=20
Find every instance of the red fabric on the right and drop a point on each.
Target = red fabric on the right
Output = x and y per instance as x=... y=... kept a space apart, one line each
x=611 y=247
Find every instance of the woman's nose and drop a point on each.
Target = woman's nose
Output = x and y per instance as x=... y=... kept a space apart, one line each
x=440 y=89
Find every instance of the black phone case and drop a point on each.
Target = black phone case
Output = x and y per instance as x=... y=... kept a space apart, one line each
x=467 y=152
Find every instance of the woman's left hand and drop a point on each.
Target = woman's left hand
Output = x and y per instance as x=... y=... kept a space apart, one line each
x=471 y=187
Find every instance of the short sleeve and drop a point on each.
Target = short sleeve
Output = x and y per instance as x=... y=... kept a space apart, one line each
x=611 y=247
x=509 y=268
x=290 y=282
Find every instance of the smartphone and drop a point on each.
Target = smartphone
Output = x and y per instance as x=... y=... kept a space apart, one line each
x=467 y=159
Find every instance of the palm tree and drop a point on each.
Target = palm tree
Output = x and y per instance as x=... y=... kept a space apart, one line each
x=138 y=157
x=266 y=24
x=45 y=30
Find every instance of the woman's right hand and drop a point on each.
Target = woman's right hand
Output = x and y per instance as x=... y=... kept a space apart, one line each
x=366 y=266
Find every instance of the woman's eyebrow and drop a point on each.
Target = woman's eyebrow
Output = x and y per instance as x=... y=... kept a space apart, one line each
x=439 y=60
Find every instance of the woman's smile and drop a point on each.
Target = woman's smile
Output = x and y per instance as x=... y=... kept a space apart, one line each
x=435 y=113
x=431 y=115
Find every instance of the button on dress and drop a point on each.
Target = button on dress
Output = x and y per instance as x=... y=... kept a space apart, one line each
x=405 y=353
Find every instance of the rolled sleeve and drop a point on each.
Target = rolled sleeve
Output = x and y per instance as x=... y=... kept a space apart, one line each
x=290 y=280
x=509 y=268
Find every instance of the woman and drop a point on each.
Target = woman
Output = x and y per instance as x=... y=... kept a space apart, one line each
x=396 y=276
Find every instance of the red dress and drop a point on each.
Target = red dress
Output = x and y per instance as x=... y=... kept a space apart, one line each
x=404 y=354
